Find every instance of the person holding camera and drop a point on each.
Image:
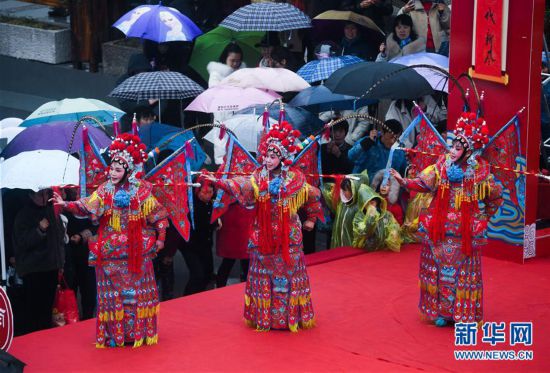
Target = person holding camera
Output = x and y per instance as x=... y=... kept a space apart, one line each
x=372 y=152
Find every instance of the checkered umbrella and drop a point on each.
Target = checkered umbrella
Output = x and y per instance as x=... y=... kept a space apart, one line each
x=321 y=69
x=266 y=17
x=157 y=85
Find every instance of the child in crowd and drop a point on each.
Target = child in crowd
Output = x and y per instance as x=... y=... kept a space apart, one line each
x=390 y=192
x=343 y=205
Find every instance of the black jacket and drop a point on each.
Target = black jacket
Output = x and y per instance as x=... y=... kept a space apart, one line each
x=36 y=251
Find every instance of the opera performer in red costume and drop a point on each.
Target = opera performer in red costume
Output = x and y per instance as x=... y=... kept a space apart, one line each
x=132 y=228
x=454 y=226
x=278 y=294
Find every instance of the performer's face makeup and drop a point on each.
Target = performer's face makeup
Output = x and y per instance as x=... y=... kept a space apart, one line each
x=456 y=152
x=271 y=161
x=116 y=172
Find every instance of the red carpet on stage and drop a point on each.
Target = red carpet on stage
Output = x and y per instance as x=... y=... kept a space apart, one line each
x=367 y=316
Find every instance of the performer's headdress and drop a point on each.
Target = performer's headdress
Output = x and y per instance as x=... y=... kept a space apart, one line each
x=471 y=131
x=128 y=151
x=281 y=140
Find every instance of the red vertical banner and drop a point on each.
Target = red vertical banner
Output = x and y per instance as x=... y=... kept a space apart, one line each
x=490 y=40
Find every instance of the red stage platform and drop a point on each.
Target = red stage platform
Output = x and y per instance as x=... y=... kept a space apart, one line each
x=367 y=321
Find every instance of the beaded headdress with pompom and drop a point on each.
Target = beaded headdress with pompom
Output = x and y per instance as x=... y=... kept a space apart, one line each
x=281 y=140
x=128 y=150
x=472 y=131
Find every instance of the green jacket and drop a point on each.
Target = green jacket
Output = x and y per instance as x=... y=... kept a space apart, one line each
x=374 y=227
x=342 y=229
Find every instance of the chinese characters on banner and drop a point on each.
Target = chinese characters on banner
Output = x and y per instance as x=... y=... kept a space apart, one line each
x=490 y=40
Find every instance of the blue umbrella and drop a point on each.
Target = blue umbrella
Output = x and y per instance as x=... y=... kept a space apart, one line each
x=157 y=23
x=321 y=69
x=266 y=17
x=300 y=119
x=320 y=98
x=163 y=136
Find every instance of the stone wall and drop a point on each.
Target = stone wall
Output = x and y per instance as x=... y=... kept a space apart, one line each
x=51 y=46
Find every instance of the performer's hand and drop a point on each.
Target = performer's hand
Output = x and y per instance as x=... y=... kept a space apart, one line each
x=220 y=225
x=56 y=199
x=308 y=225
x=366 y=3
x=397 y=176
x=160 y=245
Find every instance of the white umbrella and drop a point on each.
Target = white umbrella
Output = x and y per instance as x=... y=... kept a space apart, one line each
x=72 y=109
x=276 y=79
x=39 y=169
x=437 y=80
x=247 y=128
x=10 y=132
x=10 y=122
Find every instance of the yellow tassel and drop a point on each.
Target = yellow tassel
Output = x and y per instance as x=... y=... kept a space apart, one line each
x=255 y=187
x=460 y=294
x=308 y=324
x=100 y=345
x=119 y=315
x=247 y=300
x=138 y=343
x=114 y=220
x=152 y=340
x=293 y=327
x=148 y=206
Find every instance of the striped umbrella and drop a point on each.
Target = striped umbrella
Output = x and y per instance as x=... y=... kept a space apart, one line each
x=321 y=69
x=267 y=17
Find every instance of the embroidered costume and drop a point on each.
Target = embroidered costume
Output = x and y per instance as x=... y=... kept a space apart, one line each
x=131 y=220
x=278 y=294
x=454 y=228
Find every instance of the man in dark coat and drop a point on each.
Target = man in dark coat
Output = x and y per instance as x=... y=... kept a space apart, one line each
x=38 y=240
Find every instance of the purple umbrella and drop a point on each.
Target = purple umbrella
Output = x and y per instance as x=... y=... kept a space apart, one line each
x=53 y=136
x=157 y=23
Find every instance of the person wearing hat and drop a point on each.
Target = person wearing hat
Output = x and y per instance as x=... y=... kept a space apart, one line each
x=269 y=41
x=132 y=228
x=454 y=227
x=277 y=294
x=372 y=152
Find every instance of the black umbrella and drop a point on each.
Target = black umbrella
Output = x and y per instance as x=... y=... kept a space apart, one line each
x=378 y=80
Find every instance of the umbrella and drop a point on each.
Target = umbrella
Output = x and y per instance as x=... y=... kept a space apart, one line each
x=321 y=69
x=320 y=98
x=299 y=118
x=39 y=169
x=246 y=127
x=208 y=47
x=276 y=79
x=10 y=122
x=54 y=136
x=266 y=17
x=10 y=133
x=157 y=23
x=437 y=80
x=72 y=109
x=357 y=79
x=229 y=98
x=163 y=136
x=330 y=24
x=157 y=85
